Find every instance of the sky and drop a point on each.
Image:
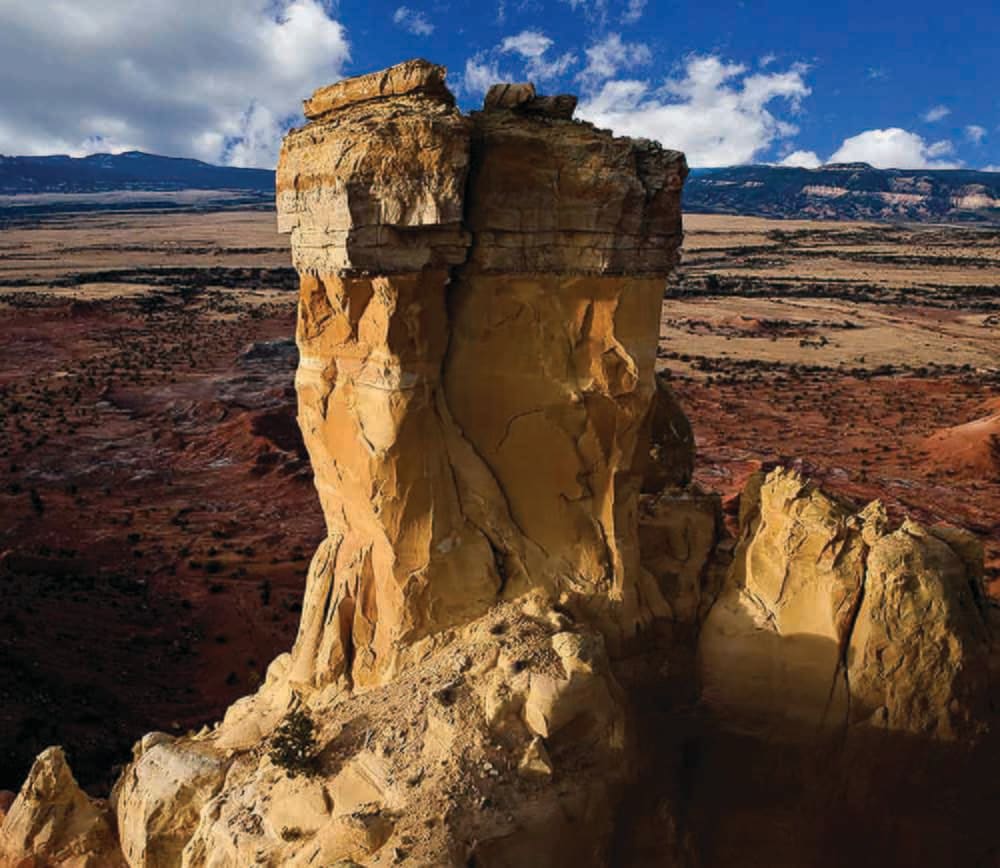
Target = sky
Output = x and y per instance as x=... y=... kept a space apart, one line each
x=896 y=84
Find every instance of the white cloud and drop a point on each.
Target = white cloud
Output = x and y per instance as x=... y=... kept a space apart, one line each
x=990 y=169
x=937 y=113
x=802 y=160
x=413 y=20
x=210 y=79
x=894 y=148
x=527 y=43
x=538 y=69
x=607 y=57
x=767 y=60
x=532 y=47
x=594 y=9
x=480 y=73
x=975 y=133
x=715 y=112
x=633 y=11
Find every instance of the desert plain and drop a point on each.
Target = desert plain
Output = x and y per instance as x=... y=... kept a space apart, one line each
x=157 y=503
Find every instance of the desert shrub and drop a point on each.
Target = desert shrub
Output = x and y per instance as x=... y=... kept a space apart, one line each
x=293 y=745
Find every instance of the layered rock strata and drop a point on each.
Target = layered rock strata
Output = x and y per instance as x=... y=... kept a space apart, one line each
x=478 y=327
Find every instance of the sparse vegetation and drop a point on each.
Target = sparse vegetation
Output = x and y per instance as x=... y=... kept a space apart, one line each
x=293 y=745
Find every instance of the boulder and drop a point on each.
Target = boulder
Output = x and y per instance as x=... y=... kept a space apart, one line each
x=508 y=96
x=159 y=798
x=403 y=79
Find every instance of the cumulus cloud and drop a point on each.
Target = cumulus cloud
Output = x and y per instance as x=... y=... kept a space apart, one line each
x=802 y=160
x=413 y=20
x=530 y=47
x=937 y=113
x=975 y=133
x=527 y=43
x=211 y=79
x=609 y=55
x=480 y=73
x=894 y=148
x=714 y=111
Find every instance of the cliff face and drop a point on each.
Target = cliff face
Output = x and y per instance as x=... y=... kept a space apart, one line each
x=525 y=639
x=478 y=325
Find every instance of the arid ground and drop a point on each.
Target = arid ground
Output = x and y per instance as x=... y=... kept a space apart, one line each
x=156 y=509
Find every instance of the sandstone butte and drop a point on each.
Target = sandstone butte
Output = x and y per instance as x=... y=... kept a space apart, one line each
x=527 y=639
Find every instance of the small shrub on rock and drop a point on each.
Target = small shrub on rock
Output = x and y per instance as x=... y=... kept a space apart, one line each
x=293 y=745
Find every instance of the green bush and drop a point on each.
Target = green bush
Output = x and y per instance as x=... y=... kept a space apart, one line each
x=293 y=745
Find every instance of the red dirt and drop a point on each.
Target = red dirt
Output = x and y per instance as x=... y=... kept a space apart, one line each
x=158 y=516
x=971 y=449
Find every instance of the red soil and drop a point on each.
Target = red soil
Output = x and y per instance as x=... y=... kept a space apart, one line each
x=157 y=520
x=971 y=449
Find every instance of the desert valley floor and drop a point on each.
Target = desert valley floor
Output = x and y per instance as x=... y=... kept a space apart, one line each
x=157 y=506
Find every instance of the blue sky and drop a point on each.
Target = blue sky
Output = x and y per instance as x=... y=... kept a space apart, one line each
x=897 y=84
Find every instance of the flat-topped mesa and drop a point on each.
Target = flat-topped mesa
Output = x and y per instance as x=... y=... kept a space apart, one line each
x=478 y=324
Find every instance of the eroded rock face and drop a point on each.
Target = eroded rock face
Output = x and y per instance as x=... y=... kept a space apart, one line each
x=918 y=658
x=830 y=621
x=159 y=798
x=478 y=326
x=53 y=822
x=845 y=675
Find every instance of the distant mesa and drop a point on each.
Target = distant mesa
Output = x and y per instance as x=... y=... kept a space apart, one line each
x=836 y=191
x=843 y=167
x=846 y=191
x=132 y=170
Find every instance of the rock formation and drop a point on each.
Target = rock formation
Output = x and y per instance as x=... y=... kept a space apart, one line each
x=53 y=822
x=478 y=327
x=496 y=659
x=854 y=658
x=831 y=621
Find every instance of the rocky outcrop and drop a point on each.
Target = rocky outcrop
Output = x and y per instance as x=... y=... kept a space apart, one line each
x=52 y=822
x=845 y=676
x=478 y=321
x=161 y=795
x=478 y=326
x=525 y=639
x=830 y=620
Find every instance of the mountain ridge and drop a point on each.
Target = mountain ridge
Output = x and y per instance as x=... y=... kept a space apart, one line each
x=836 y=191
x=130 y=170
x=846 y=191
